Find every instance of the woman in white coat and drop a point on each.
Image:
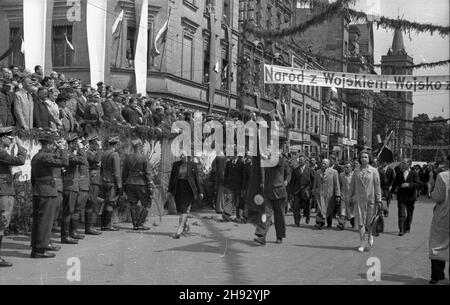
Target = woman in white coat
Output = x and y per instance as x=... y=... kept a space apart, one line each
x=366 y=193
x=439 y=233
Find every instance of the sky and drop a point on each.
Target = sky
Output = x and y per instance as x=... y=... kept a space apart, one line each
x=422 y=47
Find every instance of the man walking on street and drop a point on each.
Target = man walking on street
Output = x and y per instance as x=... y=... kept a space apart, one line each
x=406 y=182
x=327 y=194
x=45 y=193
x=387 y=177
x=7 y=193
x=111 y=187
x=301 y=186
x=275 y=199
x=136 y=177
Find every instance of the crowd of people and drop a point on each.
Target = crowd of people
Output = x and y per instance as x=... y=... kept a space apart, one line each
x=355 y=191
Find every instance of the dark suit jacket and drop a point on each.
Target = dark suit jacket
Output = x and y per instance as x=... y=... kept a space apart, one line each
x=386 y=177
x=192 y=177
x=409 y=193
x=302 y=183
x=274 y=178
x=234 y=175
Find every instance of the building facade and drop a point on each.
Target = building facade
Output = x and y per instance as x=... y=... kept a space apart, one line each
x=180 y=73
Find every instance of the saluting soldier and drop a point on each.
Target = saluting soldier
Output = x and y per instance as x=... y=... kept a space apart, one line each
x=71 y=188
x=111 y=182
x=45 y=194
x=94 y=156
x=7 y=193
x=84 y=180
x=137 y=179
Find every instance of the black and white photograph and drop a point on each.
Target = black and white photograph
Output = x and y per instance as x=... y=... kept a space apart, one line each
x=224 y=147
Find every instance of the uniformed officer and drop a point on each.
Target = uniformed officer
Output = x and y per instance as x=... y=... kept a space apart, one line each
x=136 y=177
x=111 y=186
x=7 y=193
x=94 y=156
x=83 y=193
x=45 y=195
x=71 y=187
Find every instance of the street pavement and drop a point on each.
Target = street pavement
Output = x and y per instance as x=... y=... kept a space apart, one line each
x=221 y=253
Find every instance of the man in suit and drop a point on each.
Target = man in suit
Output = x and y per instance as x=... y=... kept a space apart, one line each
x=7 y=193
x=94 y=156
x=218 y=175
x=136 y=176
x=275 y=180
x=45 y=193
x=387 y=177
x=327 y=193
x=335 y=164
x=111 y=187
x=300 y=188
x=406 y=182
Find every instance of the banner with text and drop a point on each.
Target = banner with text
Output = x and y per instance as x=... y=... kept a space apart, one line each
x=295 y=76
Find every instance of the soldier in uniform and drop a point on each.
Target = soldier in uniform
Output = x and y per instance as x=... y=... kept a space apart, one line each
x=84 y=181
x=94 y=156
x=71 y=188
x=45 y=194
x=7 y=193
x=111 y=186
x=136 y=177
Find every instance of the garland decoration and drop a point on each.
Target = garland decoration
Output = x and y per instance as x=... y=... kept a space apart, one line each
x=341 y=6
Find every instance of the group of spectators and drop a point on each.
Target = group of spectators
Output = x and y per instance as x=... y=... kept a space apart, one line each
x=50 y=102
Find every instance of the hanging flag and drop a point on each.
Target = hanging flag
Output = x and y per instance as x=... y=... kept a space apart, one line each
x=217 y=67
x=22 y=47
x=288 y=115
x=225 y=72
x=96 y=15
x=161 y=36
x=118 y=21
x=140 y=57
x=68 y=42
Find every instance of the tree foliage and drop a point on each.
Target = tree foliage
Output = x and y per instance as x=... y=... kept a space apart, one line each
x=435 y=134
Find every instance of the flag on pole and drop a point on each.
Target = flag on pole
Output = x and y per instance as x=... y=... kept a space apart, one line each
x=68 y=42
x=118 y=21
x=161 y=36
x=225 y=72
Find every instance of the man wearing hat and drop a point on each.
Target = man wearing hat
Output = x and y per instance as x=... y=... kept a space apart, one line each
x=101 y=89
x=71 y=188
x=45 y=193
x=111 y=182
x=83 y=194
x=136 y=177
x=6 y=101
x=111 y=108
x=94 y=156
x=7 y=193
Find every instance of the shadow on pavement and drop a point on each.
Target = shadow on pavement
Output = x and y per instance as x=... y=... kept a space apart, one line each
x=407 y=280
x=18 y=238
x=15 y=254
x=14 y=246
x=329 y=247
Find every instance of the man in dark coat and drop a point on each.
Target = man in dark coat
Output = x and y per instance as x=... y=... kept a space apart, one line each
x=7 y=193
x=136 y=176
x=94 y=157
x=111 y=108
x=41 y=115
x=111 y=187
x=387 y=177
x=234 y=175
x=45 y=194
x=406 y=182
x=131 y=114
x=300 y=189
x=275 y=198
x=6 y=102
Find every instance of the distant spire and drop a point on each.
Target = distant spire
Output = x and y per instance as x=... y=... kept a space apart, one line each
x=398 y=47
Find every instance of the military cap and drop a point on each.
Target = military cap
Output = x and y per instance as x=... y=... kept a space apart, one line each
x=125 y=91
x=100 y=84
x=46 y=137
x=92 y=138
x=6 y=131
x=114 y=140
x=72 y=137
x=136 y=142
x=116 y=91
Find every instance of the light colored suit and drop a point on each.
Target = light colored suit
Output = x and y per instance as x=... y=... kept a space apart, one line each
x=326 y=189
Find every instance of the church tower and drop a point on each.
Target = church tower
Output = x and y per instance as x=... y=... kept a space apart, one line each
x=398 y=62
